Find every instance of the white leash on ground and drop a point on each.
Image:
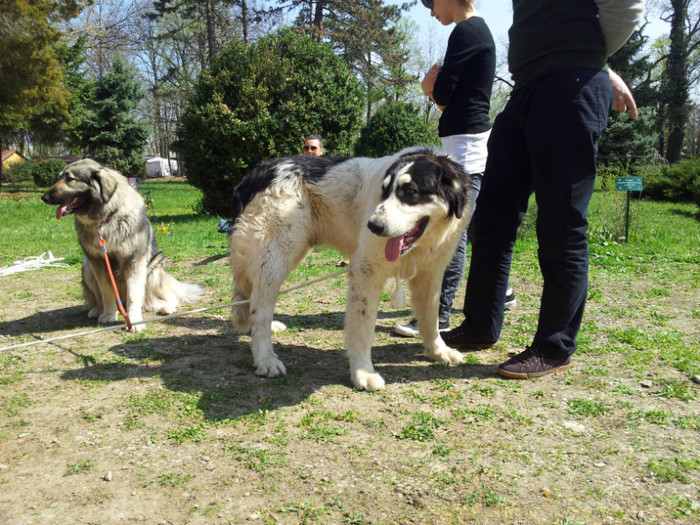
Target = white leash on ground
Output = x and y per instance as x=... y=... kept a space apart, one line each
x=33 y=263
x=165 y=317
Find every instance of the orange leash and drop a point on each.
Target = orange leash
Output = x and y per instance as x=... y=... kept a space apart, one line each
x=103 y=249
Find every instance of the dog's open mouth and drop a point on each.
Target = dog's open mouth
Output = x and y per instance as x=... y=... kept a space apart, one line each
x=396 y=246
x=70 y=207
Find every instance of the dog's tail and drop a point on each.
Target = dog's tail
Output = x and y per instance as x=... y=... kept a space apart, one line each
x=164 y=293
x=185 y=292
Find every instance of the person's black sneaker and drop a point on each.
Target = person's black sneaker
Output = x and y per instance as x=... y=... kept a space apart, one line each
x=461 y=339
x=410 y=329
x=533 y=363
x=510 y=299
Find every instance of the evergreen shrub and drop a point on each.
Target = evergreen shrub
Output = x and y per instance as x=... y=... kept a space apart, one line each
x=260 y=101
x=46 y=172
x=392 y=128
x=679 y=182
x=19 y=171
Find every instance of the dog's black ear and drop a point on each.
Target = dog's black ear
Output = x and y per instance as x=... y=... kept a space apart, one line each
x=104 y=184
x=455 y=185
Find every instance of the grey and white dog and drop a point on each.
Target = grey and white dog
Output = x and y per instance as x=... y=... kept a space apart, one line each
x=104 y=203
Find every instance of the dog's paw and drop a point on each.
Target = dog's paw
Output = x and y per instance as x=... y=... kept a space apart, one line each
x=447 y=355
x=167 y=309
x=108 y=318
x=270 y=367
x=369 y=381
x=94 y=312
x=137 y=328
x=277 y=327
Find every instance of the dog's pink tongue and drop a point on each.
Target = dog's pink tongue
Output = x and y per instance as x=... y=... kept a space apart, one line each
x=392 y=250
x=61 y=210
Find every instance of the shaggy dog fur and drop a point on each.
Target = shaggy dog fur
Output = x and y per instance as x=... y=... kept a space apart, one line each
x=397 y=215
x=102 y=199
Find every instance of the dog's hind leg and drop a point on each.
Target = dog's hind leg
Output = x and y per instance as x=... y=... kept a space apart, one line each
x=364 y=290
x=240 y=314
x=240 y=310
x=136 y=277
x=425 y=297
x=263 y=296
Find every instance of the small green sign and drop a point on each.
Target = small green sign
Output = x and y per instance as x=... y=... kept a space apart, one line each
x=629 y=183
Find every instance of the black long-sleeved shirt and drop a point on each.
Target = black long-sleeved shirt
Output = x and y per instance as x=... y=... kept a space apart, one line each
x=465 y=81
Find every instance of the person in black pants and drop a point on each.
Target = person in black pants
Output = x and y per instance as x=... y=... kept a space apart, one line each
x=545 y=142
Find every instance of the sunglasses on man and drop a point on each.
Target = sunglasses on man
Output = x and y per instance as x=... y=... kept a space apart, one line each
x=428 y=3
x=306 y=147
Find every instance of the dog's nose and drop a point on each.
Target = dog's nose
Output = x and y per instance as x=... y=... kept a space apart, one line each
x=46 y=198
x=375 y=227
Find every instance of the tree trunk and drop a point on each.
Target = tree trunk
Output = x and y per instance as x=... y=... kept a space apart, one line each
x=318 y=21
x=677 y=89
x=2 y=145
x=211 y=41
x=244 y=21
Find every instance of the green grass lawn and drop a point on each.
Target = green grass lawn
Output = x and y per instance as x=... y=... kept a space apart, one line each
x=29 y=227
x=660 y=231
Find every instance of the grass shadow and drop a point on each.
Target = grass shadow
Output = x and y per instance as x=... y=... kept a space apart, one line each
x=687 y=214
x=219 y=371
x=211 y=259
x=67 y=318
x=184 y=218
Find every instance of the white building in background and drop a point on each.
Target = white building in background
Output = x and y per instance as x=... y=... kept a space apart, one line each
x=160 y=167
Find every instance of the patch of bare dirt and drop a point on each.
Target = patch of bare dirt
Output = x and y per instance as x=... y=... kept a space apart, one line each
x=173 y=427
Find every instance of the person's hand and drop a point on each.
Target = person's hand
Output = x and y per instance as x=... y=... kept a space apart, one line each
x=428 y=83
x=622 y=96
x=429 y=80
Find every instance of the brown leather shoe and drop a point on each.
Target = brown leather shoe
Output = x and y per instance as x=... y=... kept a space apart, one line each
x=533 y=363
x=461 y=339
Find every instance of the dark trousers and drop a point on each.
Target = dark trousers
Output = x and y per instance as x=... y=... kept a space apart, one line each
x=454 y=273
x=451 y=280
x=545 y=142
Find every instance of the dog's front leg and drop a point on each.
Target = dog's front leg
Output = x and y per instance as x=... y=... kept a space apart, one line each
x=136 y=291
x=109 y=312
x=360 y=317
x=425 y=298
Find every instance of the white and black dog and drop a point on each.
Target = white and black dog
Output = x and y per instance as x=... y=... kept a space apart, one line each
x=402 y=214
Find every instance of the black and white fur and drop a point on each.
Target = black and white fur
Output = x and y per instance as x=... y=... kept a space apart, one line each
x=102 y=198
x=397 y=214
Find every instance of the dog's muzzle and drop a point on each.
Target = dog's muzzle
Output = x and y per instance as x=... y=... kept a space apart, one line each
x=400 y=244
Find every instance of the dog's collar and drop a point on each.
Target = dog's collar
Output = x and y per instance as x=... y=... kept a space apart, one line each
x=105 y=220
x=101 y=224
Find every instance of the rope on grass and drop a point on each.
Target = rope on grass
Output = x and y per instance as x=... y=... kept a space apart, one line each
x=166 y=317
x=33 y=263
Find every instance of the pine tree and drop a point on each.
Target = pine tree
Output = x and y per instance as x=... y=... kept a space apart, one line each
x=630 y=141
x=33 y=99
x=684 y=42
x=111 y=133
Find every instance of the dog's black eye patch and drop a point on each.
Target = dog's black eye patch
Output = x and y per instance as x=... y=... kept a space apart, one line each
x=388 y=184
x=412 y=193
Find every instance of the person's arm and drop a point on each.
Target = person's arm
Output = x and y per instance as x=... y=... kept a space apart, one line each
x=622 y=96
x=428 y=84
x=618 y=19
